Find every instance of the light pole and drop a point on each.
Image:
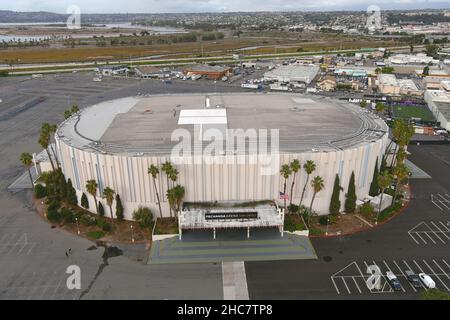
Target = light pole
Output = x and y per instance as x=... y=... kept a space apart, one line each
x=132 y=236
x=328 y=222
x=78 y=227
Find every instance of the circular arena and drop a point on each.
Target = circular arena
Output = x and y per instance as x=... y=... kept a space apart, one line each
x=210 y=139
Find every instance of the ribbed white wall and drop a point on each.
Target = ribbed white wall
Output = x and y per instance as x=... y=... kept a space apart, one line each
x=217 y=182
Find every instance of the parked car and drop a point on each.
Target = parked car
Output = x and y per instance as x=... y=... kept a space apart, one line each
x=413 y=278
x=427 y=281
x=393 y=281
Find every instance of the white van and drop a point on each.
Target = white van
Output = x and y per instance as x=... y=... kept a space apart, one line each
x=427 y=281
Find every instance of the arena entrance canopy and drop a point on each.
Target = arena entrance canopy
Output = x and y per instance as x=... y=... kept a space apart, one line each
x=265 y=216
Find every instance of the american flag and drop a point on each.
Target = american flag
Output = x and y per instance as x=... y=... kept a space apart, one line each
x=284 y=196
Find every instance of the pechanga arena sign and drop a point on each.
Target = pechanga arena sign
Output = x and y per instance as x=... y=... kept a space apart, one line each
x=231 y=215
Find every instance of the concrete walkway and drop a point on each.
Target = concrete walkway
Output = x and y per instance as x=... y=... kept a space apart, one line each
x=231 y=246
x=234 y=281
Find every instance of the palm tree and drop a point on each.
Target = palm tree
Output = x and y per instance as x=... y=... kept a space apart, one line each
x=309 y=167
x=401 y=172
x=179 y=193
x=317 y=184
x=295 y=167
x=44 y=141
x=91 y=188
x=154 y=172
x=27 y=161
x=285 y=172
x=173 y=176
x=384 y=181
x=167 y=168
x=109 y=193
x=50 y=129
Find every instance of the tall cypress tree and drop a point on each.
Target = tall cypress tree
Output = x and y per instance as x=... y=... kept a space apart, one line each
x=350 y=201
x=62 y=187
x=101 y=210
x=84 y=201
x=374 y=189
x=71 y=194
x=335 y=203
x=119 y=208
x=383 y=164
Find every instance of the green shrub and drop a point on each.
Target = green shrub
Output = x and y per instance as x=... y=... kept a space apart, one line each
x=104 y=225
x=54 y=205
x=88 y=220
x=96 y=234
x=434 y=294
x=144 y=217
x=366 y=209
x=40 y=191
x=293 y=208
x=67 y=215
x=323 y=220
x=53 y=214
x=386 y=213
x=293 y=223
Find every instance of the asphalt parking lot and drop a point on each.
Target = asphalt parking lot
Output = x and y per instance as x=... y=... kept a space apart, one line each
x=340 y=271
x=32 y=254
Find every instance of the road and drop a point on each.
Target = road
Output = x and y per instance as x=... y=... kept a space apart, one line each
x=75 y=66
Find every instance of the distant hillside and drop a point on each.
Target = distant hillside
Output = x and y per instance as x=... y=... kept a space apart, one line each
x=18 y=17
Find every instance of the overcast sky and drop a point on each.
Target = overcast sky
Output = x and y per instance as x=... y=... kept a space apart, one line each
x=159 y=6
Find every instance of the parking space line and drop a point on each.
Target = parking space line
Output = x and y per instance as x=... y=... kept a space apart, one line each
x=432 y=200
x=435 y=233
x=389 y=269
x=412 y=237
x=445 y=273
x=426 y=233
x=356 y=284
x=444 y=226
x=424 y=241
x=436 y=275
x=443 y=260
x=443 y=202
x=335 y=286
x=345 y=283
x=420 y=269
x=439 y=230
x=398 y=267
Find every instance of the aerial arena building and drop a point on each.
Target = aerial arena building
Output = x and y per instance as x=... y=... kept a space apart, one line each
x=115 y=142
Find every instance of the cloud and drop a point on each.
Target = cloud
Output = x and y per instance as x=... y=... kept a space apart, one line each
x=158 y=6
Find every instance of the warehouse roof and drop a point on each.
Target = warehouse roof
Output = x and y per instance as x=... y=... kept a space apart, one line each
x=145 y=124
x=293 y=72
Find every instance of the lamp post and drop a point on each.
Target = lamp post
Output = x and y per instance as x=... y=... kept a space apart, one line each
x=132 y=236
x=328 y=222
x=78 y=227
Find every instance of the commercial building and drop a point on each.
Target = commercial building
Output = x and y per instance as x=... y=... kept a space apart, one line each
x=292 y=73
x=327 y=84
x=211 y=72
x=150 y=72
x=388 y=84
x=411 y=59
x=115 y=142
x=112 y=70
x=350 y=73
x=439 y=103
